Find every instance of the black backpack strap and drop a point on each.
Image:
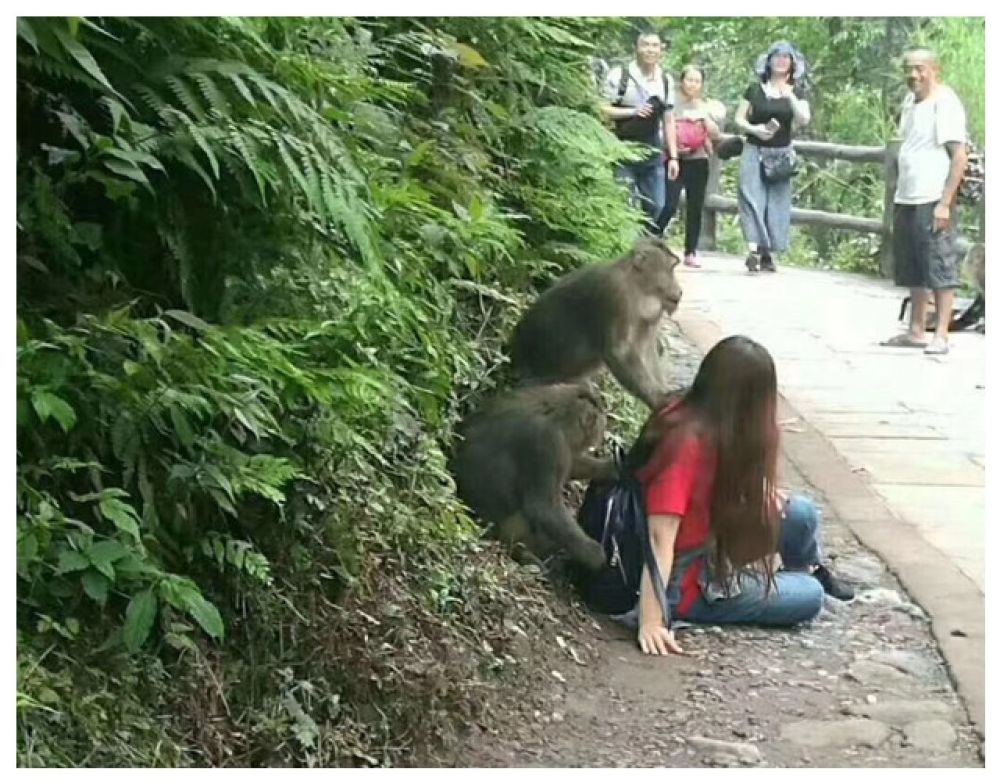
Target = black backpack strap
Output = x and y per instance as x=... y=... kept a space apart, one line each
x=622 y=85
x=666 y=88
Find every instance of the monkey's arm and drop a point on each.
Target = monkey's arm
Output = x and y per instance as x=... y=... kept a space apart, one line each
x=656 y=348
x=551 y=517
x=637 y=371
x=587 y=467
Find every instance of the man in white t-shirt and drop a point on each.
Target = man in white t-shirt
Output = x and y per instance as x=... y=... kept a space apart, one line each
x=931 y=163
x=640 y=101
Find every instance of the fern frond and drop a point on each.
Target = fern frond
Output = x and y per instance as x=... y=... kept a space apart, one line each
x=290 y=164
x=183 y=154
x=200 y=139
x=212 y=94
x=314 y=193
x=187 y=98
x=348 y=213
x=57 y=70
x=152 y=99
x=266 y=89
x=247 y=150
x=241 y=87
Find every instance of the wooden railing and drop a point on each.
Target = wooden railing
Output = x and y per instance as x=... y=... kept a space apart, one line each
x=885 y=156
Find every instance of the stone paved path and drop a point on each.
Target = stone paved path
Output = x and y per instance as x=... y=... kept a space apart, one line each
x=912 y=424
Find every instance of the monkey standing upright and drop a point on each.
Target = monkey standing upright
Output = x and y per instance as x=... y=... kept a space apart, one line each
x=603 y=314
x=516 y=455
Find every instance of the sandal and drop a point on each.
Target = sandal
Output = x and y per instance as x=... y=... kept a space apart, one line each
x=904 y=340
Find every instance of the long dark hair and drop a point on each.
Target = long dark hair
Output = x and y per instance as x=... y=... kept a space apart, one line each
x=732 y=408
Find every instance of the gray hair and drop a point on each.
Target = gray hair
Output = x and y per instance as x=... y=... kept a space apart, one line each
x=924 y=53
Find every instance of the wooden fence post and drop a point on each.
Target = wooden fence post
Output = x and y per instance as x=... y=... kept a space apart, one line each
x=891 y=175
x=709 y=229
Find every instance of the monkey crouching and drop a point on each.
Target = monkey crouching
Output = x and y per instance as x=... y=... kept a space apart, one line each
x=514 y=458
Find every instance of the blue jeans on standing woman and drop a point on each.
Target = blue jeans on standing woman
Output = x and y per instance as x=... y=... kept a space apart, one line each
x=765 y=208
x=796 y=596
x=647 y=182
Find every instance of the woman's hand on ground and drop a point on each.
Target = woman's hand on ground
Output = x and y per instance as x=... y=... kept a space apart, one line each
x=657 y=640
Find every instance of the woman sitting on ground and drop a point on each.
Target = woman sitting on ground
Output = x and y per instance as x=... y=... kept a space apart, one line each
x=698 y=122
x=716 y=518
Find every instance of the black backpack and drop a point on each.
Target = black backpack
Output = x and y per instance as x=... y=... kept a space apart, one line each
x=614 y=515
x=972 y=188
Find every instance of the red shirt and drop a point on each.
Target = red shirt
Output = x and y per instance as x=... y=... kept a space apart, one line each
x=678 y=480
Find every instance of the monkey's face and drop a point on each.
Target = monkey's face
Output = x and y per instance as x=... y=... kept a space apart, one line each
x=657 y=265
x=672 y=290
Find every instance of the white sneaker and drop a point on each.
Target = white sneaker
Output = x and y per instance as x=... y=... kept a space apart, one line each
x=937 y=347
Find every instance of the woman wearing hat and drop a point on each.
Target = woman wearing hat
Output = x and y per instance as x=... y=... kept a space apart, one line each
x=771 y=109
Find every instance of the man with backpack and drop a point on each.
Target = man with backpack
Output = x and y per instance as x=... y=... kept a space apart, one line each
x=932 y=161
x=640 y=101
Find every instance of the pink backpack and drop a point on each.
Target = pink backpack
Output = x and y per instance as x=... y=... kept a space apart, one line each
x=691 y=134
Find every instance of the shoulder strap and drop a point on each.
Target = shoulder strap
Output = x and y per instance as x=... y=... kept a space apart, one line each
x=649 y=558
x=622 y=84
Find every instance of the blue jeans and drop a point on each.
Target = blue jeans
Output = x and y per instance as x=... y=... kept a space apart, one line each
x=765 y=208
x=647 y=182
x=796 y=597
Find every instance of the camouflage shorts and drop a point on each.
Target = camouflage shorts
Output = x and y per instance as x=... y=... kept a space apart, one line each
x=924 y=258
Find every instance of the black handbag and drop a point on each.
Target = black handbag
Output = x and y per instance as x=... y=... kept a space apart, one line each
x=729 y=147
x=778 y=164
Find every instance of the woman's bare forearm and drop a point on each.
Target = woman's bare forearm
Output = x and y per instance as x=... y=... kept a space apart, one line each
x=663 y=533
